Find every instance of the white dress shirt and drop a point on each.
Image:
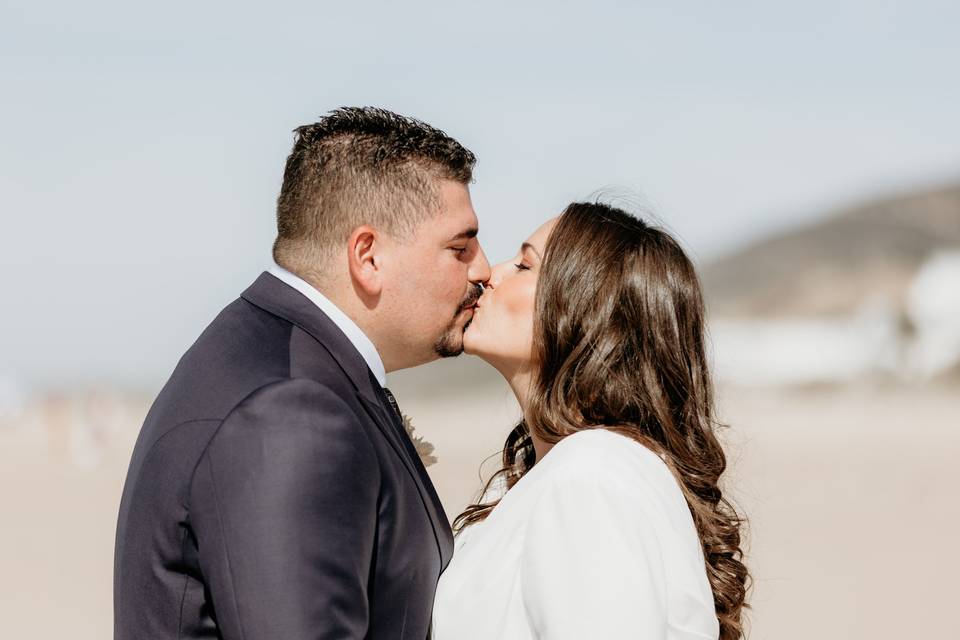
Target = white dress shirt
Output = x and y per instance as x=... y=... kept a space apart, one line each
x=354 y=333
x=595 y=541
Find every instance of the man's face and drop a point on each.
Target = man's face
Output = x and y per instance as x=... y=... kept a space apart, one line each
x=433 y=280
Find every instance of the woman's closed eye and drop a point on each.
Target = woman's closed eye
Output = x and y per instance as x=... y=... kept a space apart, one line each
x=521 y=267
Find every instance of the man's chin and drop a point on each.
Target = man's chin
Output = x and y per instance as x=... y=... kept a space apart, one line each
x=447 y=350
x=450 y=345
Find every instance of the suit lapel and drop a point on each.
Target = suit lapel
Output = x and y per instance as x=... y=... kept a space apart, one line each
x=393 y=430
x=278 y=298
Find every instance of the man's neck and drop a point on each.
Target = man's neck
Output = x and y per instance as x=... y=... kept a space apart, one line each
x=340 y=311
x=365 y=318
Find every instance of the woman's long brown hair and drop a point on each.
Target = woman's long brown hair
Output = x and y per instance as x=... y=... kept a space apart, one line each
x=619 y=344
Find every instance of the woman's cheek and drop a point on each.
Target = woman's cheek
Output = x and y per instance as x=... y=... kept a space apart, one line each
x=522 y=305
x=521 y=311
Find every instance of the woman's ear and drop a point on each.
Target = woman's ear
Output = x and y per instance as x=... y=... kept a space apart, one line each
x=365 y=258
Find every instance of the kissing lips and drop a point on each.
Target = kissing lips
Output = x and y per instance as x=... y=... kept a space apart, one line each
x=471 y=302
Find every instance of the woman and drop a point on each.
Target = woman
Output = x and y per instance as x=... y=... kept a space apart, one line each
x=612 y=524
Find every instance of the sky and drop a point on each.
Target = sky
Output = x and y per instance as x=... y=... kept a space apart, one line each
x=142 y=144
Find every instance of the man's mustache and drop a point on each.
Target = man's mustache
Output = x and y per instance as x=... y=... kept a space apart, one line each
x=474 y=294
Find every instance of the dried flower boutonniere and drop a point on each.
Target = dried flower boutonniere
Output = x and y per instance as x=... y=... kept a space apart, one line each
x=424 y=448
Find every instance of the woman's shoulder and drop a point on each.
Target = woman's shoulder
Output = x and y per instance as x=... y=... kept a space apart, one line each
x=609 y=461
x=597 y=449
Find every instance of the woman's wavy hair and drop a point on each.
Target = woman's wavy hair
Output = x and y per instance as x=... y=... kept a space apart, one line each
x=618 y=344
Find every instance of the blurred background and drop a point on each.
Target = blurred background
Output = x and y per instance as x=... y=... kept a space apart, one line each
x=806 y=154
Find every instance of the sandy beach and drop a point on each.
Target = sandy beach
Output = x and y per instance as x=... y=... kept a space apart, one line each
x=850 y=493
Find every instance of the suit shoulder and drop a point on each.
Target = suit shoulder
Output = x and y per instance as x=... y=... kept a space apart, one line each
x=284 y=401
x=300 y=410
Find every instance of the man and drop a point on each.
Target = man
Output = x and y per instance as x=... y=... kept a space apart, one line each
x=273 y=492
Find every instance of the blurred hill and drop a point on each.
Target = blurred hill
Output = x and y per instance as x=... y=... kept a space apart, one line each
x=836 y=265
x=868 y=292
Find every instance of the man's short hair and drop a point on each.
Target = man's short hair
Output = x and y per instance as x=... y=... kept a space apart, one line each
x=361 y=165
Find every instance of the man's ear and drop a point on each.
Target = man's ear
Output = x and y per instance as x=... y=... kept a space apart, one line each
x=365 y=258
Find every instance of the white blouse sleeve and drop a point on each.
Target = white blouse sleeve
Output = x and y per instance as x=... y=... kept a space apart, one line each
x=591 y=564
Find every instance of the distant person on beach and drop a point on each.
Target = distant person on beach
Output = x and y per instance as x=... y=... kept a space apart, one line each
x=273 y=491
x=607 y=519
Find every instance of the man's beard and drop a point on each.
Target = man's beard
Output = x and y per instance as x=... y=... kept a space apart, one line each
x=450 y=344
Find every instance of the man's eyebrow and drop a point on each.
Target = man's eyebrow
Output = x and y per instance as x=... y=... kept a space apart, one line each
x=465 y=235
x=527 y=245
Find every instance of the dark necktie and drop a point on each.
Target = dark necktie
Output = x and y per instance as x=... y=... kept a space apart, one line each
x=393 y=404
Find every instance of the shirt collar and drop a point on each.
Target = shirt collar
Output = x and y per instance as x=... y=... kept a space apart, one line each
x=353 y=332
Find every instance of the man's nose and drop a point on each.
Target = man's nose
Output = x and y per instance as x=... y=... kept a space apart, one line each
x=497 y=273
x=480 y=268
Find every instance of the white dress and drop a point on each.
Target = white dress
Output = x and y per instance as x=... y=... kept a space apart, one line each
x=596 y=541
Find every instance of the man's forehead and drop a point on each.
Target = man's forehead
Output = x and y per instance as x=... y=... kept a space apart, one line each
x=457 y=219
x=455 y=195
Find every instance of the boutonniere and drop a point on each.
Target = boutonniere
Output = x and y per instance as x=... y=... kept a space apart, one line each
x=424 y=448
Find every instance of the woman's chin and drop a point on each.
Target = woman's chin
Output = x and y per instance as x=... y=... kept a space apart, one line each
x=468 y=346
x=473 y=340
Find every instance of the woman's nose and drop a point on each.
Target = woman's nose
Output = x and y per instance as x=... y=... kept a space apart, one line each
x=497 y=273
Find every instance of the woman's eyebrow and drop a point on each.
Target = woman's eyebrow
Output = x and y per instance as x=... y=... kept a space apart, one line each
x=527 y=245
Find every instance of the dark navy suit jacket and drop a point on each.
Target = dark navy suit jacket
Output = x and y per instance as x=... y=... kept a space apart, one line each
x=273 y=493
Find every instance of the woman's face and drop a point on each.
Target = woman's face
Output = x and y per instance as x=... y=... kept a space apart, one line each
x=502 y=328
